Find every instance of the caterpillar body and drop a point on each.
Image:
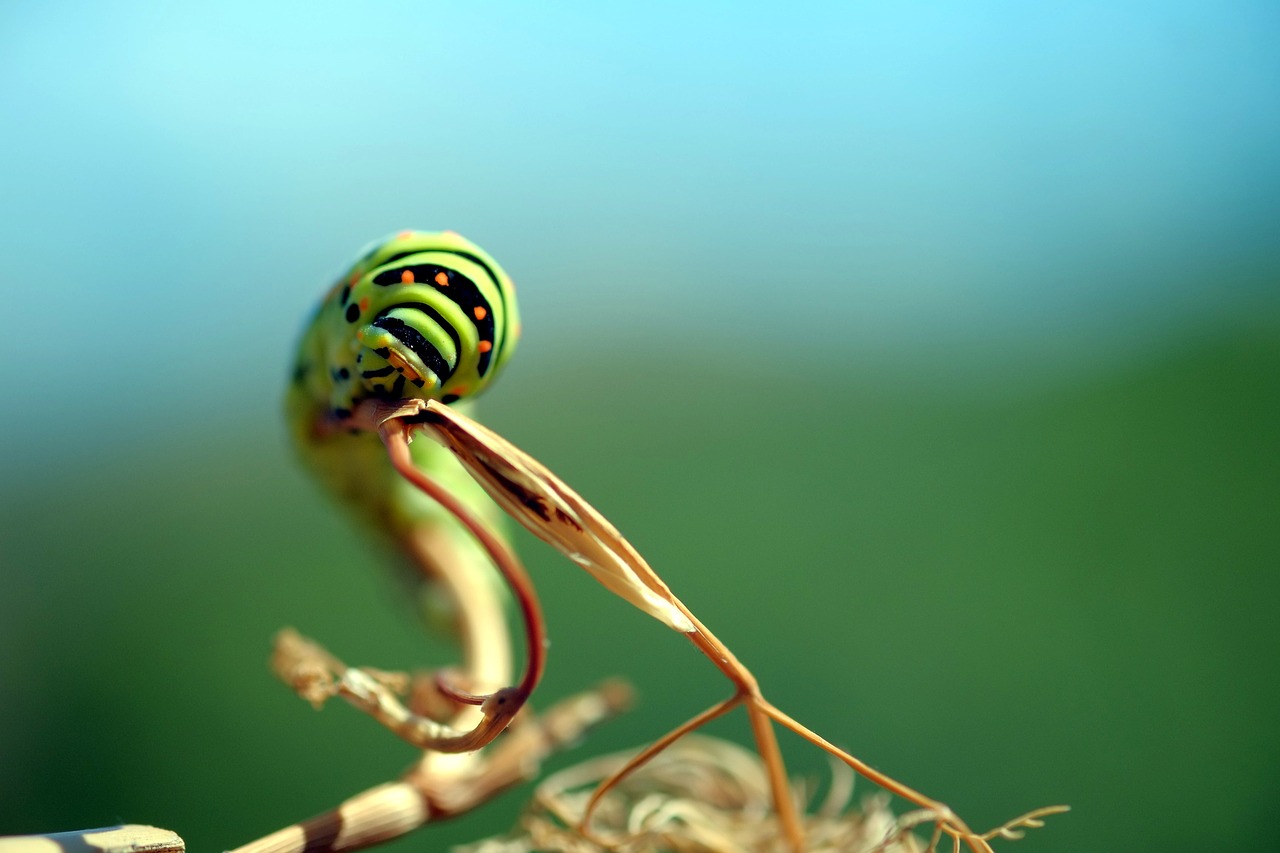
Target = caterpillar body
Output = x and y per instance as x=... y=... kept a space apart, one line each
x=418 y=314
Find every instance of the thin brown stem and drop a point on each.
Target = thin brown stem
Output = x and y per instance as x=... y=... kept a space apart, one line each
x=951 y=823
x=771 y=755
x=395 y=435
x=645 y=755
x=759 y=710
x=766 y=741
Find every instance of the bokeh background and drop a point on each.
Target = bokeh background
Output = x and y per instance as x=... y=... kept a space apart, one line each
x=932 y=354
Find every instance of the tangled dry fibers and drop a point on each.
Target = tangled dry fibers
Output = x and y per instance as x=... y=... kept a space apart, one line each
x=703 y=795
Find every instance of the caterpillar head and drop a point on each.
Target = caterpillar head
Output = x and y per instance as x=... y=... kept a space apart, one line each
x=422 y=314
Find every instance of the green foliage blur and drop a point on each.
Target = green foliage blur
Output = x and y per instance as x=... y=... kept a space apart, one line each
x=1010 y=592
x=931 y=352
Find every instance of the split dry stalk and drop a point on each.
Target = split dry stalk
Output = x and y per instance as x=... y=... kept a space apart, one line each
x=545 y=505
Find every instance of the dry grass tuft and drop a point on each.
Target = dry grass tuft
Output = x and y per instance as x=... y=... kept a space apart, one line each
x=702 y=795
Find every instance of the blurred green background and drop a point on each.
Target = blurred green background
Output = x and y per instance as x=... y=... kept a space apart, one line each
x=933 y=356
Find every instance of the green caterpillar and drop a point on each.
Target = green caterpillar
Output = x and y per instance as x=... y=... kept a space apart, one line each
x=427 y=310
x=419 y=314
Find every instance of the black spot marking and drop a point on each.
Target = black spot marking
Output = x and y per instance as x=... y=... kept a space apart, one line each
x=300 y=371
x=374 y=374
x=383 y=351
x=346 y=293
x=450 y=398
x=397 y=390
x=342 y=414
x=353 y=313
x=418 y=383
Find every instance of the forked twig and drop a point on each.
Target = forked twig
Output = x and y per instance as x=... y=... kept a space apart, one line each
x=1014 y=829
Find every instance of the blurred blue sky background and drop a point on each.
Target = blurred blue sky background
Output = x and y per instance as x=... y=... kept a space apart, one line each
x=971 y=313
x=885 y=177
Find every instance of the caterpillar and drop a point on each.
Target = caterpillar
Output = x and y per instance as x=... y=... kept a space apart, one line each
x=426 y=314
x=418 y=314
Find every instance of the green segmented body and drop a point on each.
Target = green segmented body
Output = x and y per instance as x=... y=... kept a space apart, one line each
x=420 y=314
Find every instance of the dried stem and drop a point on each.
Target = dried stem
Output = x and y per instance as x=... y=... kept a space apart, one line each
x=551 y=510
x=131 y=838
x=395 y=435
x=420 y=797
